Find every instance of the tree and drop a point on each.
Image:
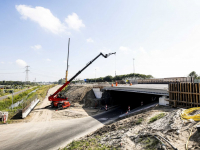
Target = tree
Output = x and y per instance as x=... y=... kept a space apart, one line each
x=193 y=74
x=61 y=81
x=108 y=78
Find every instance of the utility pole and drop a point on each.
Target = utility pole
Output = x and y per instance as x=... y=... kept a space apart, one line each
x=26 y=79
x=67 y=62
x=12 y=96
x=134 y=71
x=95 y=75
x=133 y=66
x=12 y=99
x=115 y=64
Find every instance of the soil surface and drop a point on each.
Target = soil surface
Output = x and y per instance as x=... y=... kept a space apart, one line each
x=136 y=132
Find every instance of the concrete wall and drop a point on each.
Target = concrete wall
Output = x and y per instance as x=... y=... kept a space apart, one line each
x=30 y=108
x=162 y=101
x=97 y=93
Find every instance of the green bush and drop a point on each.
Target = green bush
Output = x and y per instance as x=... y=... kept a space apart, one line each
x=90 y=144
x=156 y=117
x=139 y=121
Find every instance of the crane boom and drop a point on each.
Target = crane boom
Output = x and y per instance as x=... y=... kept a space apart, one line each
x=54 y=96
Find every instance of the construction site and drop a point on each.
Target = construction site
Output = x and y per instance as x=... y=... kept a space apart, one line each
x=142 y=114
x=99 y=75
x=129 y=114
x=151 y=116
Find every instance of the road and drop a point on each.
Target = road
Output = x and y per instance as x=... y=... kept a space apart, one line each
x=3 y=97
x=44 y=133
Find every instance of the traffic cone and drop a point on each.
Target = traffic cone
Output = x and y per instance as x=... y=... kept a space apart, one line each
x=4 y=119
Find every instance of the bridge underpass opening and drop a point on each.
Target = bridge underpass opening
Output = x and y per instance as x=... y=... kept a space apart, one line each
x=134 y=100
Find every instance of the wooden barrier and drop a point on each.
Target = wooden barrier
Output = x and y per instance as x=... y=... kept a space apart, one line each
x=184 y=95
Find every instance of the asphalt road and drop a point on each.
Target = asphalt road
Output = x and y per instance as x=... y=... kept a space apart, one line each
x=3 y=97
x=51 y=134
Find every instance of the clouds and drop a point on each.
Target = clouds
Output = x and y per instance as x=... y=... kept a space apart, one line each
x=90 y=40
x=42 y=16
x=46 y=20
x=124 y=49
x=21 y=63
x=105 y=50
x=36 y=47
x=48 y=59
x=74 y=22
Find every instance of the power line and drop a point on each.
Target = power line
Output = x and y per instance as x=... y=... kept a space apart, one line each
x=12 y=73
x=133 y=66
x=26 y=79
x=12 y=69
x=44 y=75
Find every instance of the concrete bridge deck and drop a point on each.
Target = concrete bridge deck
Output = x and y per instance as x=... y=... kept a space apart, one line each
x=155 y=89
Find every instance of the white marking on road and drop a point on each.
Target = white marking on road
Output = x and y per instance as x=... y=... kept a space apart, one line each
x=103 y=119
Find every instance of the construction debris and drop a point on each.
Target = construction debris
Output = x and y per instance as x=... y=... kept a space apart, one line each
x=137 y=132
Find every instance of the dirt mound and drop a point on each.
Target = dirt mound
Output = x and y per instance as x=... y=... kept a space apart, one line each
x=80 y=94
x=77 y=93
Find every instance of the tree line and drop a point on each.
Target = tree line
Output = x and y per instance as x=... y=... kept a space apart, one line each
x=110 y=78
x=15 y=83
x=194 y=75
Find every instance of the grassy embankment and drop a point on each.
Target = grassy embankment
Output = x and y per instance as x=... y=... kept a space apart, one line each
x=156 y=117
x=89 y=144
x=6 y=103
x=40 y=93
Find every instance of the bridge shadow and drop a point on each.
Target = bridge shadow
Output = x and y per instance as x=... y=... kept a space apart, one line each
x=122 y=100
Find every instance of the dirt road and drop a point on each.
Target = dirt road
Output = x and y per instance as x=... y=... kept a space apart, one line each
x=45 y=131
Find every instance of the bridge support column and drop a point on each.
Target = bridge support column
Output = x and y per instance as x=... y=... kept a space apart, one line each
x=162 y=101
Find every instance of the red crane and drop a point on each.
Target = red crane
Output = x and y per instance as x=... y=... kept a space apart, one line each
x=62 y=102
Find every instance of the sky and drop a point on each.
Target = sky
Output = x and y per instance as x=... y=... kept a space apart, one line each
x=163 y=38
